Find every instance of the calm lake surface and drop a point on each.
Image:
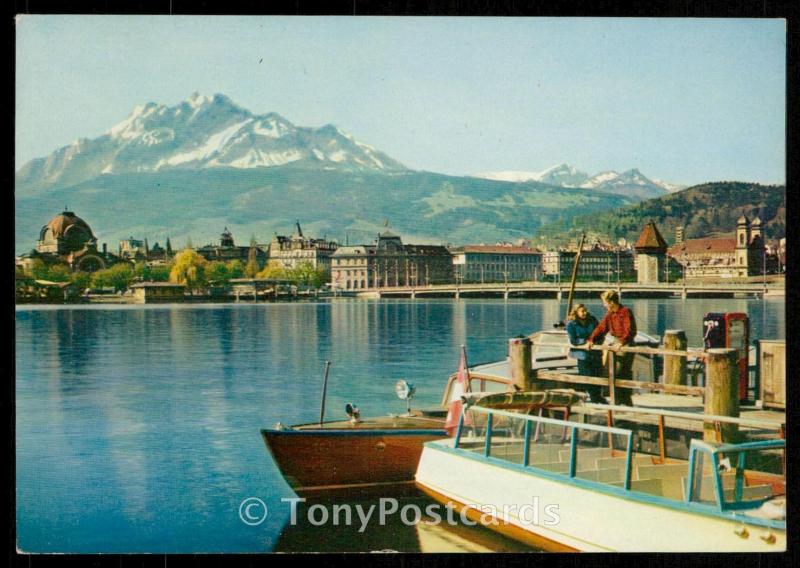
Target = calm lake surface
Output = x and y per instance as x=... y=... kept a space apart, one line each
x=137 y=427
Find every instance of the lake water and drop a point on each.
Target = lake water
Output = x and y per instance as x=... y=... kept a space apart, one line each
x=137 y=427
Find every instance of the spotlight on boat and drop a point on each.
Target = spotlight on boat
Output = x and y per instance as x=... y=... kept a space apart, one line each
x=405 y=391
x=353 y=412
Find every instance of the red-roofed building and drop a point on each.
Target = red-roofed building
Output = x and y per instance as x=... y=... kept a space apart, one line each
x=651 y=255
x=739 y=256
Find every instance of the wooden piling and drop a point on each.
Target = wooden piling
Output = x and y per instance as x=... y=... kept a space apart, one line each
x=675 y=366
x=721 y=394
x=519 y=361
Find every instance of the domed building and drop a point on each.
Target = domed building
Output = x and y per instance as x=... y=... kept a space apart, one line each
x=64 y=234
x=68 y=239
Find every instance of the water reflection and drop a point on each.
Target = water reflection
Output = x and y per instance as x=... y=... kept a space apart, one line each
x=138 y=427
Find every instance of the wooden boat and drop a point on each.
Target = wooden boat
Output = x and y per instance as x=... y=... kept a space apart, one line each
x=386 y=449
x=352 y=454
x=589 y=490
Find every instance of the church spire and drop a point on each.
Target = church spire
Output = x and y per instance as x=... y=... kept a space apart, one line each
x=298 y=232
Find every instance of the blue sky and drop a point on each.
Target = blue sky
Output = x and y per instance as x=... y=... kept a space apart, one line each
x=684 y=100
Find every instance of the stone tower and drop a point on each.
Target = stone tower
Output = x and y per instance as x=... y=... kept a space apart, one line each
x=742 y=245
x=651 y=255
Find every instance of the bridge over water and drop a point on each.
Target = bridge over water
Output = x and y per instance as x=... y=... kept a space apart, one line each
x=582 y=289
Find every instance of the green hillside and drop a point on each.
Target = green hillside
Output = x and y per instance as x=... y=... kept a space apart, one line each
x=421 y=206
x=704 y=210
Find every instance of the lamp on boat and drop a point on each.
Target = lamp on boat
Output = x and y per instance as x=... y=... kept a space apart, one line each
x=353 y=412
x=405 y=391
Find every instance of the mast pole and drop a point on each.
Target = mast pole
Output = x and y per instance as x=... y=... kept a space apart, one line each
x=574 y=277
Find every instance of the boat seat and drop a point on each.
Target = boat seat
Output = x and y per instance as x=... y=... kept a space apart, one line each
x=557 y=467
x=672 y=488
x=651 y=486
x=602 y=475
x=536 y=459
x=619 y=463
x=585 y=453
x=749 y=493
x=663 y=471
x=544 y=454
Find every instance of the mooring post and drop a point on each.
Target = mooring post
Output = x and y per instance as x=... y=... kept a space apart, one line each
x=519 y=360
x=675 y=365
x=721 y=394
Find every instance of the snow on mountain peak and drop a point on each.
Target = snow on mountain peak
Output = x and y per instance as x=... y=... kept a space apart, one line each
x=210 y=131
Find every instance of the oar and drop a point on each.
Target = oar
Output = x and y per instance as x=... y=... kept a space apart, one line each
x=572 y=283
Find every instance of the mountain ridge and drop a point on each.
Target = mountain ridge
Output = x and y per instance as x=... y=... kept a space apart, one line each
x=703 y=210
x=201 y=132
x=630 y=182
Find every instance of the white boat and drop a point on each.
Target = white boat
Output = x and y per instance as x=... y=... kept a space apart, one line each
x=568 y=486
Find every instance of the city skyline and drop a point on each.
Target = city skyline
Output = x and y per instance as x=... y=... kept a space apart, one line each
x=683 y=100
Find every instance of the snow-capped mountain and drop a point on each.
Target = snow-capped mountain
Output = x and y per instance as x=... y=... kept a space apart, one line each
x=562 y=175
x=670 y=187
x=631 y=182
x=203 y=132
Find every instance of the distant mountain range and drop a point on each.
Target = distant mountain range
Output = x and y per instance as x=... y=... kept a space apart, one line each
x=191 y=169
x=631 y=182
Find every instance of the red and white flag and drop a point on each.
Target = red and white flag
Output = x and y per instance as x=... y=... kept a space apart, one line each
x=460 y=387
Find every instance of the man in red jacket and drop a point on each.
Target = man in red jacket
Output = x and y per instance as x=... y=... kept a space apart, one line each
x=621 y=325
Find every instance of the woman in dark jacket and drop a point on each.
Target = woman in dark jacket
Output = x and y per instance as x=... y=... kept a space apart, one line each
x=580 y=326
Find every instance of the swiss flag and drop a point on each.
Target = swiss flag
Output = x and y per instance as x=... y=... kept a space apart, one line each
x=460 y=387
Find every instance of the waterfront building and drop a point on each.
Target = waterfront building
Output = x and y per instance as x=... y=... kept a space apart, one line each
x=68 y=239
x=388 y=262
x=290 y=252
x=739 y=256
x=599 y=263
x=228 y=250
x=498 y=263
x=255 y=288
x=157 y=292
x=651 y=255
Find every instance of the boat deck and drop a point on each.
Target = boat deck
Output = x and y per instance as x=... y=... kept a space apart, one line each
x=418 y=420
x=682 y=403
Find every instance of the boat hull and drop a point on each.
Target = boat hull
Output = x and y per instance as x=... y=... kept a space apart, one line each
x=579 y=518
x=329 y=458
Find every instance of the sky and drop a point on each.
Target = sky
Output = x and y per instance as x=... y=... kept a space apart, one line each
x=683 y=100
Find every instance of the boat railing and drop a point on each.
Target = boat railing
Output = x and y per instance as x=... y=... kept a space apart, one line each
x=532 y=433
x=599 y=455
